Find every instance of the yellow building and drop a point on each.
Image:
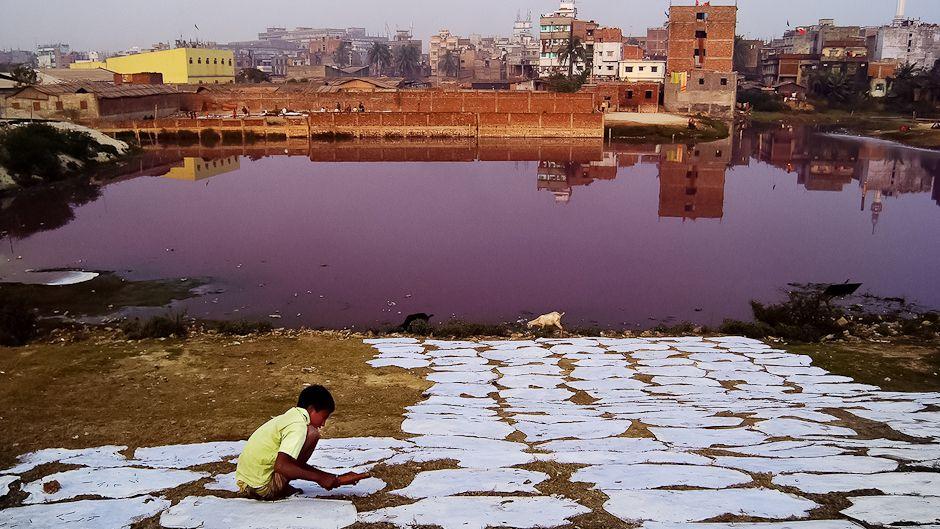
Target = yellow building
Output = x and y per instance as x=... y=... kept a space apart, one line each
x=88 y=65
x=180 y=65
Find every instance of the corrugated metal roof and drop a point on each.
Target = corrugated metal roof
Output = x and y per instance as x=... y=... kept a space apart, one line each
x=110 y=91
x=70 y=75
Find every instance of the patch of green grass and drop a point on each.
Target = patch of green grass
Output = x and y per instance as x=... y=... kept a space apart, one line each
x=242 y=327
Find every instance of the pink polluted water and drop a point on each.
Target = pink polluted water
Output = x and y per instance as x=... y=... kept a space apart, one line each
x=614 y=235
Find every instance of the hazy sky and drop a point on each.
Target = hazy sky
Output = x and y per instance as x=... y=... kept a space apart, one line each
x=120 y=24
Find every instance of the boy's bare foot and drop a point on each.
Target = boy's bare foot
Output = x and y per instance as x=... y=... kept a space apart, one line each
x=291 y=490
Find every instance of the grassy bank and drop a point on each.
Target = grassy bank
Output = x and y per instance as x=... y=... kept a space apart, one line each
x=877 y=125
x=707 y=130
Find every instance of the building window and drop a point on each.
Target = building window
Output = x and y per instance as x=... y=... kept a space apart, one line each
x=16 y=106
x=724 y=82
x=629 y=94
x=190 y=60
x=230 y=62
x=629 y=69
x=701 y=80
x=215 y=61
x=36 y=105
x=198 y=60
x=642 y=68
x=701 y=16
x=649 y=94
x=83 y=105
x=654 y=69
x=58 y=105
x=701 y=34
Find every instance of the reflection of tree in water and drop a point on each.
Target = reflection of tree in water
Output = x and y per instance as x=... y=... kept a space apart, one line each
x=49 y=208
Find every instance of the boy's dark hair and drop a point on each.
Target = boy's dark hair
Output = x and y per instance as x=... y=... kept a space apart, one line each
x=317 y=396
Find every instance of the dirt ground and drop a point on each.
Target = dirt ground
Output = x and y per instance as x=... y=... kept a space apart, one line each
x=106 y=390
x=102 y=389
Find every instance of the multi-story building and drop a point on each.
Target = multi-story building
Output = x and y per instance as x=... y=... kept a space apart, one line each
x=180 y=65
x=53 y=55
x=700 y=66
x=657 y=42
x=608 y=52
x=908 y=42
x=440 y=44
x=271 y=57
x=556 y=30
x=701 y=38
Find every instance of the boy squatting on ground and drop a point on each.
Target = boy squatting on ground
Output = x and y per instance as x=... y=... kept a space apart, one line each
x=278 y=451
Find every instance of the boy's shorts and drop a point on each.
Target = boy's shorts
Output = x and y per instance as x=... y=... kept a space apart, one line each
x=276 y=489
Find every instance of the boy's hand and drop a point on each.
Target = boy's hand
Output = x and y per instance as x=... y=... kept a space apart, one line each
x=350 y=478
x=331 y=482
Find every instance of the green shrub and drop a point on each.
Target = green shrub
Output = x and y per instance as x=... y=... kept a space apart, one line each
x=166 y=326
x=243 y=327
x=34 y=150
x=17 y=324
x=761 y=101
x=756 y=330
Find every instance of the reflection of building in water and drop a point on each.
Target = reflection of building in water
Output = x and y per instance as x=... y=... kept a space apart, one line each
x=562 y=177
x=887 y=171
x=936 y=188
x=692 y=180
x=194 y=169
x=827 y=164
x=819 y=165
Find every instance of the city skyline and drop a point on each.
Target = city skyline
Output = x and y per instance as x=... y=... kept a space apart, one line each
x=132 y=24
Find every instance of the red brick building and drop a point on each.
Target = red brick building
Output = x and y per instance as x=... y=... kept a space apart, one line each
x=701 y=38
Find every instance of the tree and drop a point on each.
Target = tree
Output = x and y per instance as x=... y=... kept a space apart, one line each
x=572 y=52
x=450 y=64
x=24 y=75
x=343 y=54
x=836 y=87
x=407 y=61
x=908 y=80
x=380 y=57
x=252 y=75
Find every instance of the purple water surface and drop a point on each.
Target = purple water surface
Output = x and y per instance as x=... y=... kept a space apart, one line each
x=656 y=234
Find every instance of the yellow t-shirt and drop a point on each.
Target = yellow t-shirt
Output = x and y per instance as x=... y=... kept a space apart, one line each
x=284 y=433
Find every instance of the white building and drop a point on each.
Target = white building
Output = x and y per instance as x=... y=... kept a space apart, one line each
x=608 y=52
x=643 y=70
x=908 y=42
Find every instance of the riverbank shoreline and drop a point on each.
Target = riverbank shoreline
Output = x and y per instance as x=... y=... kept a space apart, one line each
x=904 y=130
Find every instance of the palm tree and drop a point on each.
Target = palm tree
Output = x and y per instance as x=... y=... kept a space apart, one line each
x=836 y=87
x=908 y=79
x=572 y=52
x=343 y=54
x=450 y=63
x=407 y=60
x=380 y=57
